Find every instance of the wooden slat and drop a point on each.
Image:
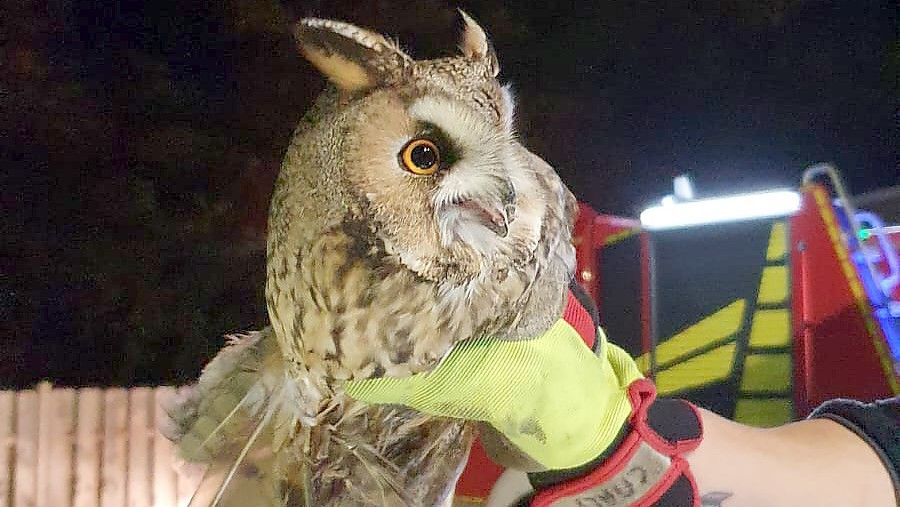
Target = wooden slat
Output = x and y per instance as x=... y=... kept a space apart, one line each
x=88 y=447
x=165 y=489
x=26 y=449
x=44 y=393
x=119 y=460
x=55 y=428
x=115 y=447
x=7 y=439
x=140 y=428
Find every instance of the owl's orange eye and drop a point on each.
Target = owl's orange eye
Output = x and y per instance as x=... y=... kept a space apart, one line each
x=420 y=156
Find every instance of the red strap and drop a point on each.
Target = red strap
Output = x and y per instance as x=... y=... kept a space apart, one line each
x=579 y=318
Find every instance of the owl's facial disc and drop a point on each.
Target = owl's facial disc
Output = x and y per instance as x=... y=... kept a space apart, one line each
x=458 y=203
x=474 y=195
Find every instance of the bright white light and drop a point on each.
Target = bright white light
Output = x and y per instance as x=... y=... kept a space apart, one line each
x=733 y=208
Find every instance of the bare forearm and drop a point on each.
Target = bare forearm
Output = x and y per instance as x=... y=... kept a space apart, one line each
x=816 y=462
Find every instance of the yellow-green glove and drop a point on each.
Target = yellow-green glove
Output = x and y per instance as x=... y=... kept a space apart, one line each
x=550 y=396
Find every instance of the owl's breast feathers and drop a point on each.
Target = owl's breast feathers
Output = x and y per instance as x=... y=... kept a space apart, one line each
x=347 y=308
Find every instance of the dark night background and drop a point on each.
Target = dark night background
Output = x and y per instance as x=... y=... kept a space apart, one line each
x=139 y=141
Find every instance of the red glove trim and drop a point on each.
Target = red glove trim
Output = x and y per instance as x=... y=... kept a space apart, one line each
x=579 y=318
x=641 y=393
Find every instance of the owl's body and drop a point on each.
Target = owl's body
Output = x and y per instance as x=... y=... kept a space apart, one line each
x=406 y=218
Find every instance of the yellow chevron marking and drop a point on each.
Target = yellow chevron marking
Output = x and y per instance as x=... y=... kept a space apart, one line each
x=714 y=328
x=764 y=413
x=467 y=501
x=770 y=328
x=619 y=236
x=707 y=368
x=777 y=243
x=766 y=373
x=862 y=303
x=773 y=287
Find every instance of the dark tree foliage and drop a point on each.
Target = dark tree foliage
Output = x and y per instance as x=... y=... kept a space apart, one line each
x=139 y=141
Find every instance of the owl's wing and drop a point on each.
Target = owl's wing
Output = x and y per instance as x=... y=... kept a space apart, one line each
x=230 y=421
x=245 y=422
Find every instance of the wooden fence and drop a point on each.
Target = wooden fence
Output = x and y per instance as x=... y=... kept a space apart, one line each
x=88 y=448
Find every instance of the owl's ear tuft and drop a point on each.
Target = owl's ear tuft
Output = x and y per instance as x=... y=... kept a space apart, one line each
x=474 y=44
x=352 y=58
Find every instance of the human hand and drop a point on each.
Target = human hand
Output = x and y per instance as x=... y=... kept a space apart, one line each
x=551 y=397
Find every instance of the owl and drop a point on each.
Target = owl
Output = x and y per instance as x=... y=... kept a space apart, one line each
x=406 y=218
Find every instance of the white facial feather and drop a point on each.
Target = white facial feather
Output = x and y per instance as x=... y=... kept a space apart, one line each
x=509 y=111
x=454 y=225
x=466 y=128
x=529 y=214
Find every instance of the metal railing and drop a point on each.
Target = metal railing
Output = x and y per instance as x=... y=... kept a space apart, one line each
x=843 y=197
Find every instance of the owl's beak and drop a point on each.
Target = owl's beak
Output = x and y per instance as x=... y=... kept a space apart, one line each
x=467 y=214
x=503 y=215
x=501 y=223
x=495 y=218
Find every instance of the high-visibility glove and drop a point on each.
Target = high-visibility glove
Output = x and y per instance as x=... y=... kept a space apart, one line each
x=551 y=396
x=578 y=414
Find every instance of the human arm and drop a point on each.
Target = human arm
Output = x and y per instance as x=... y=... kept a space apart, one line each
x=813 y=462
x=495 y=382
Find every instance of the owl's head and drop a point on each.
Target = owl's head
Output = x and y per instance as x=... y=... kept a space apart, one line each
x=422 y=152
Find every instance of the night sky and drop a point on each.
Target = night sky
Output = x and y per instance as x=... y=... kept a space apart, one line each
x=140 y=139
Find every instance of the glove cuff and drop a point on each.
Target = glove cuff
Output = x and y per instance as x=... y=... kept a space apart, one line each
x=647 y=467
